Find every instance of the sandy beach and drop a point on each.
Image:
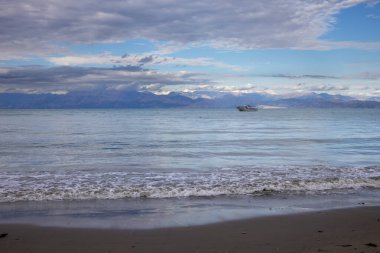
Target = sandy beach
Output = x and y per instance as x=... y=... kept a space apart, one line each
x=342 y=230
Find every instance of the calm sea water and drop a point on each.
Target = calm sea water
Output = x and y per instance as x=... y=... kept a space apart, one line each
x=111 y=154
x=163 y=154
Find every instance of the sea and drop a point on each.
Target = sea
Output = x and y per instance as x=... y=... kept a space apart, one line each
x=149 y=168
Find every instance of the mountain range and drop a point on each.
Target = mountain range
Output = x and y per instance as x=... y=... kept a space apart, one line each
x=137 y=99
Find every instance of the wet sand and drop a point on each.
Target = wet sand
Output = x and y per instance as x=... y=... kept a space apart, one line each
x=343 y=230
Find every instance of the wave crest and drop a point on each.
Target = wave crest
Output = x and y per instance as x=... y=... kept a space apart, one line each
x=238 y=181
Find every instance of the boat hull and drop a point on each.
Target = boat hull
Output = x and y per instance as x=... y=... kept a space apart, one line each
x=247 y=108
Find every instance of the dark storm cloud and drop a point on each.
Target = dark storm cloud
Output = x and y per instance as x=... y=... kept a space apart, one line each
x=39 y=79
x=39 y=26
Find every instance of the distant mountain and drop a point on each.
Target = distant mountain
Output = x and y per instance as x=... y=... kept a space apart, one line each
x=325 y=100
x=135 y=99
x=97 y=99
x=230 y=100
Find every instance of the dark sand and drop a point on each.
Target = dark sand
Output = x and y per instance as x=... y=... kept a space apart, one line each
x=345 y=230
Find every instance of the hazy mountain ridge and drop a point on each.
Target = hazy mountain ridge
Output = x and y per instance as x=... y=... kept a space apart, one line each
x=310 y=100
x=135 y=99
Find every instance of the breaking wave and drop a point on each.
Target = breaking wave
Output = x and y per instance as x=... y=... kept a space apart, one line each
x=83 y=185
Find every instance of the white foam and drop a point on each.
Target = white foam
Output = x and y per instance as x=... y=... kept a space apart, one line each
x=233 y=181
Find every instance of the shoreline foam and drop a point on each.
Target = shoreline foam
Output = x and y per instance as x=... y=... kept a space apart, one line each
x=45 y=185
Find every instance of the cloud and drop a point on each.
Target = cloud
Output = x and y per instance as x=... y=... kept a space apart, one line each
x=237 y=89
x=302 y=76
x=305 y=87
x=136 y=59
x=219 y=88
x=146 y=59
x=366 y=76
x=42 y=26
x=373 y=16
x=364 y=64
x=63 y=79
x=360 y=76
x=37 y=79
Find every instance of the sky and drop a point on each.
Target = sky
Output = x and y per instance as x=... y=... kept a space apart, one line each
x=240 y=46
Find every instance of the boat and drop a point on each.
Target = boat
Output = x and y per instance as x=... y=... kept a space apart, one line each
x=247 y=108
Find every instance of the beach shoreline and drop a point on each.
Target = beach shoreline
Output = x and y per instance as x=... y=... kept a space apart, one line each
x=339 y=230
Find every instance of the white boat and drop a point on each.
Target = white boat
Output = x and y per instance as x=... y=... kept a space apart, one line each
x=247 y=108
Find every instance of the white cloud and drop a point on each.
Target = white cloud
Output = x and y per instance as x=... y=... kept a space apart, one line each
x=218 y=88
x=38 y=27
x=366 y=76
x=302 y=87
x=136 y=60
x=59 y=80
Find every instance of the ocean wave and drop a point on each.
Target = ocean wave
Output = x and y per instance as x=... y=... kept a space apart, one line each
x=83 y=185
